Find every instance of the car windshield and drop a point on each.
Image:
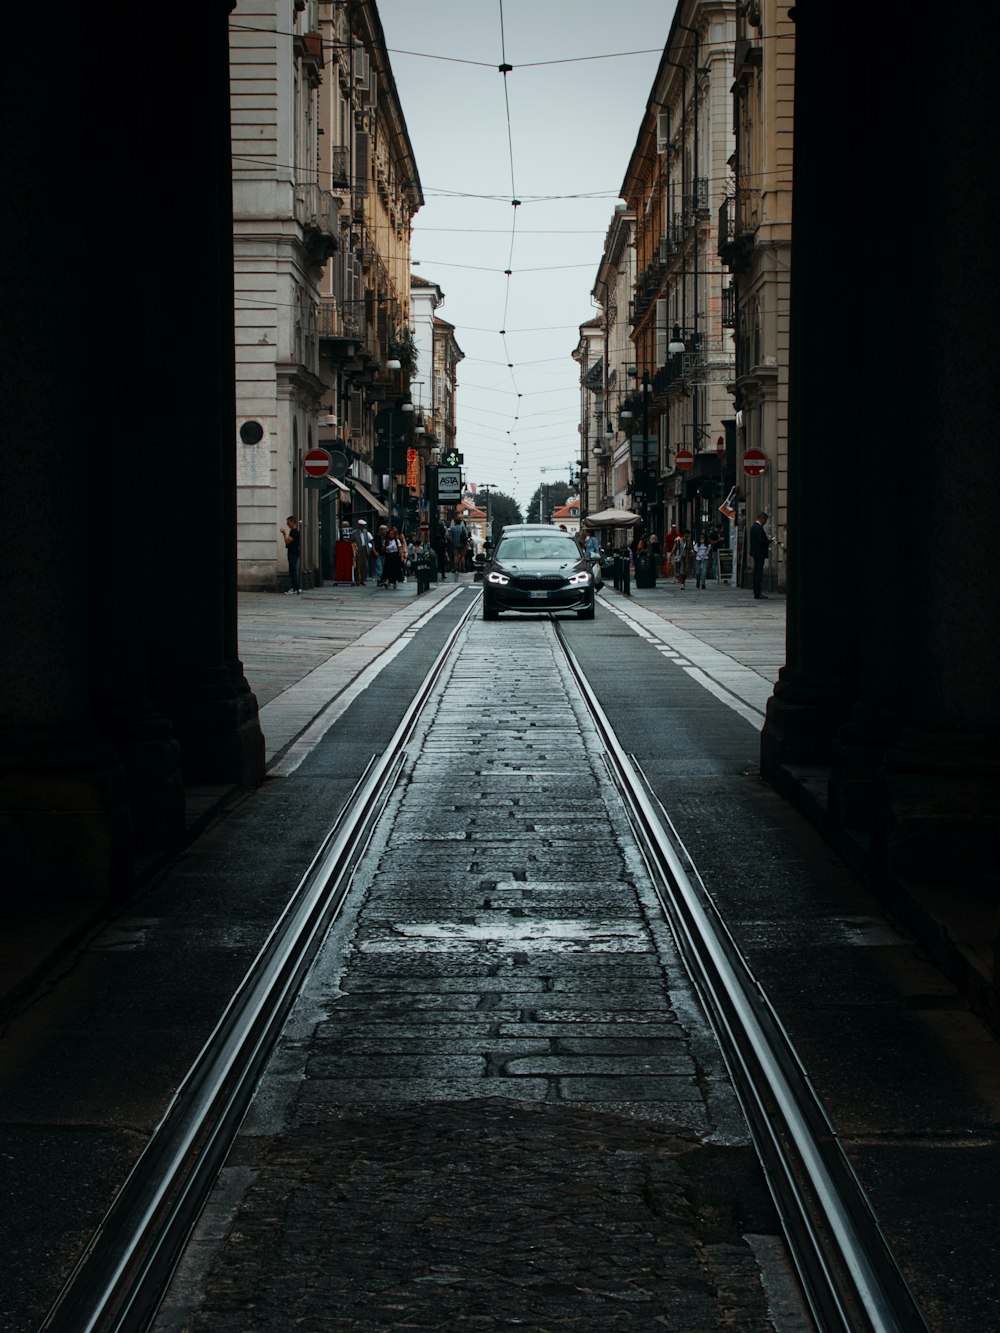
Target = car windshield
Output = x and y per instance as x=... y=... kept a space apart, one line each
x=546 y=546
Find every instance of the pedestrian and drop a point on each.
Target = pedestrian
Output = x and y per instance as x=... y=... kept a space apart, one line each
x=669 y=542
x=702 y=552
x=681 y=556
x=714 y=542
x=458 y=540
x=592 y=547
x=293 y=547
x=363 y=548
x=760 y=549
x=378 y=551
x=392 y=570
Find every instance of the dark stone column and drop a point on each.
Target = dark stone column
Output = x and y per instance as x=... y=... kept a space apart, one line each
x=941 y=782
x=818 y=682
x=189 y=364
x=65 y=828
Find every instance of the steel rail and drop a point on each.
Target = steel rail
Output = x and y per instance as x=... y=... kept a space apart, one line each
x=848 y=1273
x=119 y=1280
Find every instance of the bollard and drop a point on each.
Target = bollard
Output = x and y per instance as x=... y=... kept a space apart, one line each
x=423 y=574
x=626 y=575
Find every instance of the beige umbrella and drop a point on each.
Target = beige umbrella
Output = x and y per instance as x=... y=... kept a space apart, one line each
x=612 y=518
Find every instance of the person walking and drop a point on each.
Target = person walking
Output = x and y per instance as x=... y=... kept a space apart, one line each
x=681 y=556
x=760 y=549
x=714 y=540
x=293 y=548
x=378 y=552
x=439 y=545
x=363 y=543
x=702 y=552
x=458 y=540
x=392 y=570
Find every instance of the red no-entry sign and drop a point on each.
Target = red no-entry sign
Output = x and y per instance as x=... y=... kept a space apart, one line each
x=754 y=462
x=317 y=463
x=683 y=460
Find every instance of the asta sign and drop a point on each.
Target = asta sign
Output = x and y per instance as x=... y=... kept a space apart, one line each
x=449 y=484
x=316 y=463
x=755 y=462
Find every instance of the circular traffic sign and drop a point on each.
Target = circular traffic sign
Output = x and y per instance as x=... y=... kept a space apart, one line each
x=683 y=460
x=317 y=463
x=754 y=462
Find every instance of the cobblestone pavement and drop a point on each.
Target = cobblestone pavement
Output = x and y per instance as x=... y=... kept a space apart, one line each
x=498 y=1103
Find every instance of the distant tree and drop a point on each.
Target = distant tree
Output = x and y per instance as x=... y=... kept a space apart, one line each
x=503 y=510
x=552 y=494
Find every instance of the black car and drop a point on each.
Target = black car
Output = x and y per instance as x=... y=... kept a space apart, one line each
x=535 y=567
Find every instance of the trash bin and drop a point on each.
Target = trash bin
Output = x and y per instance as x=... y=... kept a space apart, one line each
x=645 y=570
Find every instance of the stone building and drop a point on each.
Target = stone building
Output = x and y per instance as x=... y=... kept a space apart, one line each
x=589 y=356
x=611 y=444
x=325 y=188
x=683 y=357
x=755 y=237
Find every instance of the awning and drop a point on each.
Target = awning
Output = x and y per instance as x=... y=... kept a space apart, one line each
x=368 y=498
x=339 y=484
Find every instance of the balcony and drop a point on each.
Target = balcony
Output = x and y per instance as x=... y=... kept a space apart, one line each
x=729 y=307
x=318 y=213
x=739 y=218
x=340 y=167
x=696 y=202
x=747 y=212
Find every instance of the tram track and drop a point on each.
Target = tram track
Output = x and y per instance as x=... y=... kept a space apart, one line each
x=847 y=1272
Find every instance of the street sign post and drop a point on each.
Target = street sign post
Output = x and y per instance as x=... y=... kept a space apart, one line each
x=316 y=463
x=683 y=460
x=754 y=462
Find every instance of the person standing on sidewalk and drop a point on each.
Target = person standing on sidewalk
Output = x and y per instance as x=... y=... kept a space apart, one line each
x=702 y=551
x=378 y=551
x=681 y=556
x=458 y=540
x=293 y=548
x=760 y=549
x=392 y=570
x=363 y=542
x=714 y=540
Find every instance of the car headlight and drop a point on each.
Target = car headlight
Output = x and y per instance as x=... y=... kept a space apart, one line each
x=581 y=576
x=494 y=576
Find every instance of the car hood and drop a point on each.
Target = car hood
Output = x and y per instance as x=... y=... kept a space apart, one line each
x=539 y=566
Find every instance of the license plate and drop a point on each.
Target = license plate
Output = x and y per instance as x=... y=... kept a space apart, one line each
x=538 y=596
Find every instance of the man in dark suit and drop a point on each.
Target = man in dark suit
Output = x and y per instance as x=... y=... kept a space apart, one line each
x=760 y=549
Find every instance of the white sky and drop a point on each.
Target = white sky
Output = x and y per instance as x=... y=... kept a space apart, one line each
x=572 y=130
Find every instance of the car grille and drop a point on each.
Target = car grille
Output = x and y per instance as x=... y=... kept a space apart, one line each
x=530 y=582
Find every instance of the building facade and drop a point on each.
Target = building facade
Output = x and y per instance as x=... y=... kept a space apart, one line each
x=683 y=455
x=755 y=238
x=325 y=187
x=611 y=450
